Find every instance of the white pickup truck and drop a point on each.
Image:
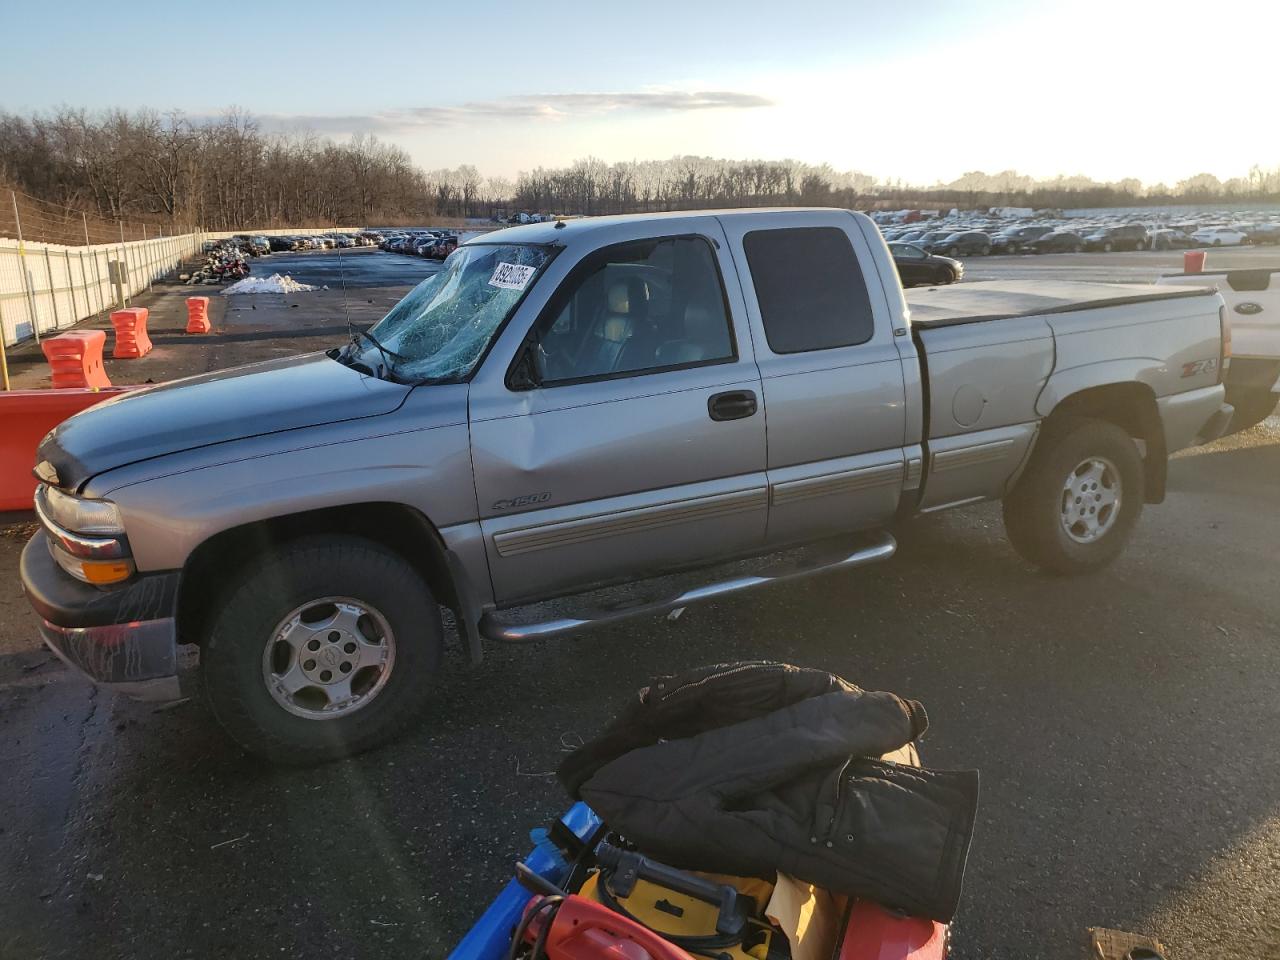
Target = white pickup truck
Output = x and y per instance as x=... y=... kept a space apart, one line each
x=596 y=402
x=1253 y=302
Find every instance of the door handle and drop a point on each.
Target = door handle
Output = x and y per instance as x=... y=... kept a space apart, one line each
x=731 y=405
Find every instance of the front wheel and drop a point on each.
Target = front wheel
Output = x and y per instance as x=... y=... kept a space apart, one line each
x=321 y=649
x=1139 y=246
x=1074 y=508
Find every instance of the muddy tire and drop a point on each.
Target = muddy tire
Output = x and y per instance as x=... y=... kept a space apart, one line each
x=1074 y=507
x=323 y=648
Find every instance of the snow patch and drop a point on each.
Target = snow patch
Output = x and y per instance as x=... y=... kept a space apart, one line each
x=272 y=284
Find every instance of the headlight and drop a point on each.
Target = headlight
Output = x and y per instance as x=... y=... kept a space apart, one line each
x=80 y=515
x=86 y=537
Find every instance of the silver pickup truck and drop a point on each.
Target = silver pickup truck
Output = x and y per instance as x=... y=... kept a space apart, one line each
x=570 y=406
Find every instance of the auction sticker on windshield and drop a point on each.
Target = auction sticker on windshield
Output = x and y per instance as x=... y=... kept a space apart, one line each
x=511 y=276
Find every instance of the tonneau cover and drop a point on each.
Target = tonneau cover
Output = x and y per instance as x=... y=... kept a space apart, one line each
x=999 y=299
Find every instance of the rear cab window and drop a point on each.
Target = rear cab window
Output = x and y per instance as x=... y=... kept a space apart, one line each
x=810 y=289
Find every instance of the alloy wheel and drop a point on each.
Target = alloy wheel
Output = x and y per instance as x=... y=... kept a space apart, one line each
x=1091 y=500
x=328 y=658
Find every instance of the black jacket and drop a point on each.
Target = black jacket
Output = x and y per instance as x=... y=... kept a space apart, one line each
x=786 y=784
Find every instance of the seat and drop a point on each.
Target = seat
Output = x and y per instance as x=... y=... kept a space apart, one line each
x=705 y=338
x=616 y=328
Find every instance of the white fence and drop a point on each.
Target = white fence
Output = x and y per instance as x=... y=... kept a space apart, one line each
x=46 y=287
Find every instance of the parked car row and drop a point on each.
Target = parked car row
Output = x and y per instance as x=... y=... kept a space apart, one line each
x=963 y=235
x=258 y=245
x=428 y=244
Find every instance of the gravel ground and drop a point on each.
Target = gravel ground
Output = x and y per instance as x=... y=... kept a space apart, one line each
x=1124 y=724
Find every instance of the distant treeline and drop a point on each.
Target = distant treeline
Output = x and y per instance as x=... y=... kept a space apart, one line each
x=228 y=173
x=224 y=173
x=593 y=187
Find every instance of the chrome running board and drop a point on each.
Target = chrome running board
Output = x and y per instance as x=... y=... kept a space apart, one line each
x=878 y=546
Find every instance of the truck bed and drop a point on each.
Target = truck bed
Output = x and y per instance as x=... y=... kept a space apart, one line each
x=1006 y=299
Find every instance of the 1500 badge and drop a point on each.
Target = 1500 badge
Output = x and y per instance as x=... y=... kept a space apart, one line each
x=527 y=500
x=1197 y=367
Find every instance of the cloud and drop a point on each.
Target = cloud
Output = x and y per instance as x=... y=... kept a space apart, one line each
x=553 y=106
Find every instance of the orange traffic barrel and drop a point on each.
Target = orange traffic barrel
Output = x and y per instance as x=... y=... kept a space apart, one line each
x=198 y=315
x=1193 y=261
x=131 y=333
x=76 y=358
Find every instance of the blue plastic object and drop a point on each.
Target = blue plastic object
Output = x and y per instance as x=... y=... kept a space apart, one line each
x=491 y=936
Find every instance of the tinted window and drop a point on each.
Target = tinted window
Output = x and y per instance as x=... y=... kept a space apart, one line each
x=810 y=288
x=635 y=307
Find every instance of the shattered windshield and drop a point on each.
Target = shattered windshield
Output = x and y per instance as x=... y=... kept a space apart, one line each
x=441 y=329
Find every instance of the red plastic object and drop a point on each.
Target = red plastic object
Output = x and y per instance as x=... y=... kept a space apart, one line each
x=585 y=930
x=76 y=358
x=131 y=333
x=874 y=933
x=1193 y=261
x=27 y=416
x=198 y=315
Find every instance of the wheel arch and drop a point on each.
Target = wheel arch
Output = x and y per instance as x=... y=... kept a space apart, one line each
x=397 y=526
x=1131 y=406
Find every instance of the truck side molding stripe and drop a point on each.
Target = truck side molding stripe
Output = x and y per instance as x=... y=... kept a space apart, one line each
x=831 y=484
x=548 y=536
x=962 y=457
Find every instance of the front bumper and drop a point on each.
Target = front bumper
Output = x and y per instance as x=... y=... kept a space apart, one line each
x=123 y=638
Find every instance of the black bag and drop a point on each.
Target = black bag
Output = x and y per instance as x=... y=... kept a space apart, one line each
x=750 y=769
x=674 y=707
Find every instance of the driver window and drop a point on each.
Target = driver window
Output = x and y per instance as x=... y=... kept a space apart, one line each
x=635 y=308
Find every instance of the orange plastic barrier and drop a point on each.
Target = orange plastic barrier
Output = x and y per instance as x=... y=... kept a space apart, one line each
x=1193 y=261
x=27 y=415
x=76 y=358
x=131 y=333
x=198 y=315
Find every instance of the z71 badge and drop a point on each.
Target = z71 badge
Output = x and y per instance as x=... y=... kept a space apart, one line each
x=527 y=500
x=1197 y=367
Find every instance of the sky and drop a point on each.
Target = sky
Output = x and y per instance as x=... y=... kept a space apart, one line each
x=920 y=91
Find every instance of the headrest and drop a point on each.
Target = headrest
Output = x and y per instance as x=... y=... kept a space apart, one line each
x=619 y=297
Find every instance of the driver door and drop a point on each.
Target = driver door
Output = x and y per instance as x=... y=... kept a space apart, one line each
x=628 y=436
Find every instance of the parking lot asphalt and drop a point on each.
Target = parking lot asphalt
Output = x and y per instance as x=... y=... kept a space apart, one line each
x=1124 y=724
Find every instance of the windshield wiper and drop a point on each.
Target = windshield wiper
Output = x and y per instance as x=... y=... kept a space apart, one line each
x=386 y=352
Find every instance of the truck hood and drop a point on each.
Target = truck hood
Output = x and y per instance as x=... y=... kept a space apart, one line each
x=234 y=404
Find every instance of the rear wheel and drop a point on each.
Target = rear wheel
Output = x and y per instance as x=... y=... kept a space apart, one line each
x=1074 y=508
x=323 y=648
x=1139 y=246
x=1106 y=247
